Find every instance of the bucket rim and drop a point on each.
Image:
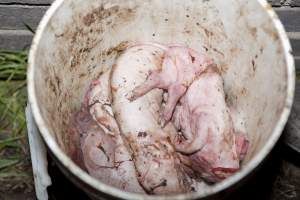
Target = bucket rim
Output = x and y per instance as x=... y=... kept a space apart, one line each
x=98 y=185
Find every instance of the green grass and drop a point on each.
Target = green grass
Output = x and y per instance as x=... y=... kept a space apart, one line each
x=15 y=167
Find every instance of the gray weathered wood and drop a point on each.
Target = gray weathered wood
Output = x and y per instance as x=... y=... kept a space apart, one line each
x=295 y=42
x=15 y=40
x=296 y=3
x=295 y=46
x=35 y=2
x=14 y=17
x=292 y=130
x=297 y=63
x=278 y=3
x=290 y=17
x=274 y=2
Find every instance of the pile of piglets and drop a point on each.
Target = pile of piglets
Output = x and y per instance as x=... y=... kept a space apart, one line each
x=157 y=123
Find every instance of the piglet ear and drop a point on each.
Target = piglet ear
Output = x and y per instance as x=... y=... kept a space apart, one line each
x=242 y=144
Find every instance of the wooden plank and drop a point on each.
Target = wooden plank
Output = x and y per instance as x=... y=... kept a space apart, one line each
x=33 y=2
x=15 y=39
x=292 y=130
x=297 y=63
x=295 y=46
x=14 y=17
x=296 y=3
x=274 y=2
x=290 y=17
x=291 y=3
x=295 y=42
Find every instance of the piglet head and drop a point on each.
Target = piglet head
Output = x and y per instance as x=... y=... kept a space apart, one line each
x=200 y=61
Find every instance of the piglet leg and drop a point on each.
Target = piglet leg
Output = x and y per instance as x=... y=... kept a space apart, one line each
x=104 y=118
x=153 y=81
x=175 y=92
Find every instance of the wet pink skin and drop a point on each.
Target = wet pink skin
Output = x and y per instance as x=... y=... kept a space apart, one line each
x=78 y=124
x=209 y=145
x=158 y=168
x=180 y=66
x=101 y=153
x=209 y=138
x=215 y=152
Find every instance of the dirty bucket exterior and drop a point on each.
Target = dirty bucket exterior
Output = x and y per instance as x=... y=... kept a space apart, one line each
x=76 y=41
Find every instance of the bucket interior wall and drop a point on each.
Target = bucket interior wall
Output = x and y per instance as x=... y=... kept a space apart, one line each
x=82 y=40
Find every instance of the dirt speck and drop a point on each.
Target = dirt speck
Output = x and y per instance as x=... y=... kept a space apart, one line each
x=142 y=134
x=117 y=49
x=253 y=65
x=244 y=92
x=224 y=68
x=253 y=31
x=89 y=19
x=208 y=33
x=114 y=89
x=82 y=75
x=205 y=48
x=99 y=14
x=219 y=52
x=261 y=50
x=272 y=33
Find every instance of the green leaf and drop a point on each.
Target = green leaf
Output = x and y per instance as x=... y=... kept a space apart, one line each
x=11 y=142
x=8 y=162
x=12 y=174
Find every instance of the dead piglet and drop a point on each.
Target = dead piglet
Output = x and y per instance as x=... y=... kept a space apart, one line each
x=179 y=68
x=209 y=137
